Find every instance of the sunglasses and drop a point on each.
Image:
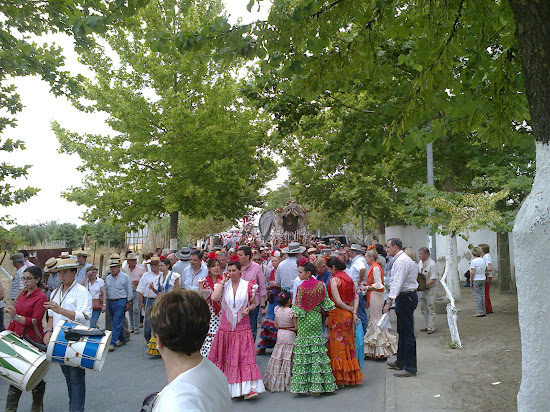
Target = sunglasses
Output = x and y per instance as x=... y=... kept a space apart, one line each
x=149 y=401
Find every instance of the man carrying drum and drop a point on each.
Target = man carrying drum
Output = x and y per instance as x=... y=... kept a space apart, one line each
x=71 y=301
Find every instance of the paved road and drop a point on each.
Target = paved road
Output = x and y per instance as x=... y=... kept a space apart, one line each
x=126 y=379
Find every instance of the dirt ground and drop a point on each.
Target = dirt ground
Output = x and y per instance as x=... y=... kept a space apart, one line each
x=492 y=353
x=465 y=379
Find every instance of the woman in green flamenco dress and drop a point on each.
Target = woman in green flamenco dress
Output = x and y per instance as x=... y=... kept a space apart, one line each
x=311 y=372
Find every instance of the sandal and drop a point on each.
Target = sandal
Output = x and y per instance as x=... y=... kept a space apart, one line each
x=479 y=315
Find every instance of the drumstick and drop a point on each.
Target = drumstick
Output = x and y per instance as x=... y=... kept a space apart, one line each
x=144 y=317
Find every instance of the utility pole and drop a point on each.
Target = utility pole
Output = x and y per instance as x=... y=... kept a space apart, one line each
x=430 y=168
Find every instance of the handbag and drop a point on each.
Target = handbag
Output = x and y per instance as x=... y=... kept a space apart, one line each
x=360 y=344
x=96 y=303
x=421 y=279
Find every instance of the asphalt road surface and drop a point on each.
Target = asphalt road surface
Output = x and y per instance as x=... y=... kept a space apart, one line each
x=127 y=378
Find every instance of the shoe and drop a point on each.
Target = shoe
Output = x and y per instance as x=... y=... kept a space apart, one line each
x=423 y=330
x=136 y=330
x=394 y=365
x=430 y=331
x=111 y=348
x=260 y=351
x=479 y=315
x=251 y=395
x=120 y=343
x=404 y=374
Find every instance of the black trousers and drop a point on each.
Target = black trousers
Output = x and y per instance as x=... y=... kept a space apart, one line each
x=405 y=304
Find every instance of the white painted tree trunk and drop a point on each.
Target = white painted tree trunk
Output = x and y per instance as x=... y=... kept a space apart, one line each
x=451 y=271
x=451 y=263
x=532 y=263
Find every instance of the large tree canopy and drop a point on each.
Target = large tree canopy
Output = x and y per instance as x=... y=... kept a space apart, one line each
x=183 y=141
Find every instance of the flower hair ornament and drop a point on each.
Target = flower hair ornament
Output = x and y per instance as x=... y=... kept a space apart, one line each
x=234 y=258
x=212 y=256
x=303 y=261
x=371 y=247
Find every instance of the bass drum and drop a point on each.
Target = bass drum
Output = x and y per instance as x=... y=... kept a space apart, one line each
x=21 y=364
x=88 y=352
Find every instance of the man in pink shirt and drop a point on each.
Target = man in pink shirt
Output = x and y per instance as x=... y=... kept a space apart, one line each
x=135 y=272
x=252 y=271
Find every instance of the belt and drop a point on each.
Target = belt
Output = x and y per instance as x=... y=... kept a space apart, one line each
x=111 y=300
x=406 y=293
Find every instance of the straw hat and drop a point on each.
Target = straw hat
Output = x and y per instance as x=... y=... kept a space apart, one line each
x=82 y=253
x=293 y=248
x=184 y=253
x=114 y=262
x=69 y=263
x=17 y=257
x=312 y=250
x=155 y=259
x=132 y=256
x=51 y=265
x=65 y=255
x=356 y=248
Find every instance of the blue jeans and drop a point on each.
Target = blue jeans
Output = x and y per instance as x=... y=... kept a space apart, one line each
x=95 y=317
x=117 y=309
x=147 y=326
x=405 y=304
x=254 y=321
x=76 y=385
x=362 y=313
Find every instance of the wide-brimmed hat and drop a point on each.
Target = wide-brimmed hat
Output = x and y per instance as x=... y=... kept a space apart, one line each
x=293 y=247
x=356 y=248
x=115 y=256
x=312 y=250
x=51 y=265
x=90 y=268
x=114 y=262
x=184 y=253
x=18 y=256
x=82 y=253
x=132 y=256
x=65 y=255
x=68 y=263
x=154 y=259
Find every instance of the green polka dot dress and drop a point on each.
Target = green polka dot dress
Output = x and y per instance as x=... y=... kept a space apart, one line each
x=311 y=371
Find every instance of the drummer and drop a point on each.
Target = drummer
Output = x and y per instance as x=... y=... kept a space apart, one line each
x=26 y=320
x=71 y=301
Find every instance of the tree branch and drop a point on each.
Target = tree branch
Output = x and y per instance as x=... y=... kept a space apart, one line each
x=340 y=102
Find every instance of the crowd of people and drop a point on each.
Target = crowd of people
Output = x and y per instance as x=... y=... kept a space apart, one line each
x=320 y=311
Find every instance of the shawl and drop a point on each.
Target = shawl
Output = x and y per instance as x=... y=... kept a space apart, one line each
x=234 y=308
x=346 y=289
x=370 y=280
x=166 y=286
x=209 y=286
x=310 y=294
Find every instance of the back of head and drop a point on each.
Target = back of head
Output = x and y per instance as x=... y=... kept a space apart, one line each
x=335 y=262
x=477 y=252
x=181 y=319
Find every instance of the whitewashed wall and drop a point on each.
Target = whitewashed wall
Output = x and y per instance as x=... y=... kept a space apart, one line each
x=416 y=238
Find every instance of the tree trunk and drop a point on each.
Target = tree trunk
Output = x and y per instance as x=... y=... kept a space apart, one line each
x=531 y=236
x=504 y=273
x=382 y=232
x=451 y=273
x=174 y=230
x=531 y=240
x=451 y=268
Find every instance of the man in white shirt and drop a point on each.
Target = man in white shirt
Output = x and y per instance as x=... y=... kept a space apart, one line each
x=18 y=261
x=287 y=271
x=181 y=260
x=194 y=272
x=147 y=295
x=194 y=382
x=81 y=257
x=357 y=273
x=428 y=268
x=403 y=285
x=71 y=301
